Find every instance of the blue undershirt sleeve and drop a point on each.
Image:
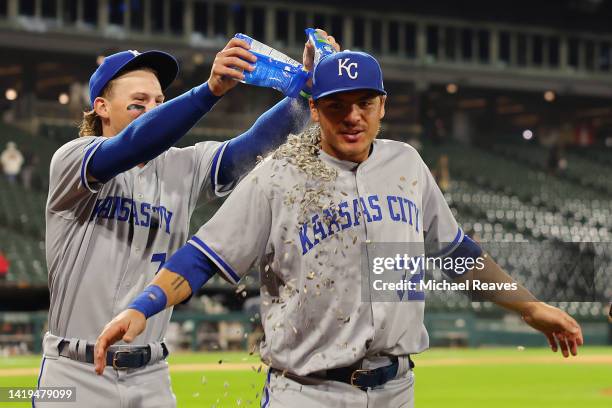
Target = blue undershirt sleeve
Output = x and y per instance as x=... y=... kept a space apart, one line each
x=193 y=265
x=151 y=134
x=268 y=132
x=469 y=251
x=188 y=262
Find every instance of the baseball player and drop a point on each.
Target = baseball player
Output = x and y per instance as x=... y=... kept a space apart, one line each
x=120 y=200
x=301 y=219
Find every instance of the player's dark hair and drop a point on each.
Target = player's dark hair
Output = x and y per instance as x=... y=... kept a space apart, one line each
x=91 y=124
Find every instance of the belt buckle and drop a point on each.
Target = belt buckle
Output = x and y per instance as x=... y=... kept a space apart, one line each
x=116 y=355
x=354 y=376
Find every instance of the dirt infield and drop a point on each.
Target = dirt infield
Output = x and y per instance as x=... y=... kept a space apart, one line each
x=18 y=372
x=594 y=359
x=554 y=359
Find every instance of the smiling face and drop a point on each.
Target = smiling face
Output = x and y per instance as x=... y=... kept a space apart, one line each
x=349 y=123
x=127 y=97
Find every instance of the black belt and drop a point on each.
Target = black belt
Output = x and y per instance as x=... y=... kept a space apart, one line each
x=120 y=358
x=358 y=377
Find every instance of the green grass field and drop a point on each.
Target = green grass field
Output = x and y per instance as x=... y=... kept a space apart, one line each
x=500 y=377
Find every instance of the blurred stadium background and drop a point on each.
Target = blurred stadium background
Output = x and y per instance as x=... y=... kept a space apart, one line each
x=509 y=103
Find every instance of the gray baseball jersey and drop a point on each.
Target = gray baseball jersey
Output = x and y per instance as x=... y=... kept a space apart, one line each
x=312 y=311
x=105 y=242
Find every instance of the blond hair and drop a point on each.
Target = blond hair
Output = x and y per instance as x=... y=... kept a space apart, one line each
x=91 y=124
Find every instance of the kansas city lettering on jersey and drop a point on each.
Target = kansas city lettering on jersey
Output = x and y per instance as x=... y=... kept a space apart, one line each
x=349 y=214
x=127 y=210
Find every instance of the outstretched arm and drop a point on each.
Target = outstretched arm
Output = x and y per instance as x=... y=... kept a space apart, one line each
x=157 y=130
x=167 y=289
x=561 y=330
x=289 y=116
x=271 y=129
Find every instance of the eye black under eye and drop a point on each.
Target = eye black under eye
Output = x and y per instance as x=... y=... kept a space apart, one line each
x=135 y=106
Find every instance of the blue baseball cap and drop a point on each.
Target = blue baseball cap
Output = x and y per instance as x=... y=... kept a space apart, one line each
x=164 y=64
x=346 y=71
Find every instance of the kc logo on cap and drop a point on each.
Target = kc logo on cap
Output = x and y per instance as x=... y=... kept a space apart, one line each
x=344 y=65
x=346 y=71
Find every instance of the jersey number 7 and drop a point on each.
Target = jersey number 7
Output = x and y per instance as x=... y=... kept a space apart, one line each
x=159 y=257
